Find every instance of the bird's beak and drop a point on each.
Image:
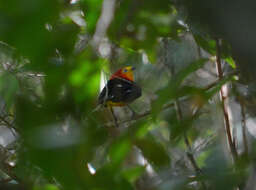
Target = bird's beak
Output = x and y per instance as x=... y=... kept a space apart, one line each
x=133 y=68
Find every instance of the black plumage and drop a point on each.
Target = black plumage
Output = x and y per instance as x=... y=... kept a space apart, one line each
x=119 y=90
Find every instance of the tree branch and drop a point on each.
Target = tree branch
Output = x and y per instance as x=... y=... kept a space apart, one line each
x=223 y=98
x=5 y=166
x=245 y=142
x=169 y=105
x=9 y=125
x=107 y=13
x=188 y=145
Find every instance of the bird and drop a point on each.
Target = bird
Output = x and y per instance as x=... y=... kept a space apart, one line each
x=120 y=90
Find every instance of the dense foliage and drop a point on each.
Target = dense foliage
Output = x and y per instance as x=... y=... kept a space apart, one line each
x=194 y=124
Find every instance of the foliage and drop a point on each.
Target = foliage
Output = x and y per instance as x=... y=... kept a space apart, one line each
x=55 y=55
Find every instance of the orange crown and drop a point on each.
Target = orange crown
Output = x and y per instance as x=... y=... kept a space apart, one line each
x=125 y=73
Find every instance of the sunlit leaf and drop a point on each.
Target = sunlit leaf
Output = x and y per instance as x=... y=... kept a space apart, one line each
x=47 y=187
x=231 y=62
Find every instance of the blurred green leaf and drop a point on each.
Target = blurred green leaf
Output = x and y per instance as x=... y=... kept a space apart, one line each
x=47 y=187
x=179 y=128
x=84 y=77
x=92 y=10
x=119 y=150
x=9 y=87
x=132 y=174
x=106 y=178
x=211 y=92
x=170 y=91
x=27 y=19
x=231 y=62
x=153 y=151
x=139 y=24
x=202 y=157
x=49 y=91
x=207 y=44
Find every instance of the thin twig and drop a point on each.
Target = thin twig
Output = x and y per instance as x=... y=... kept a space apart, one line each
x=245 y=142
x=205 y=143
x=5 y=166
x=188 y=145
x=138 y=116
x=232 y=145
x=213 y=84
x=9 y=125
x=189 y=152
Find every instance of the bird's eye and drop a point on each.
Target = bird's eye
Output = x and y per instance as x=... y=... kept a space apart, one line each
x=125 y=70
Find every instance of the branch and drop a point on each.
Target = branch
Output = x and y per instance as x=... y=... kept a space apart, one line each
x=107 y=14
x=223 y=98
x=188 y=145
x=138 y=116
x=245 y=142
x=189 y=152
x=9 y=125
x=213 y=84
x=5 y=166
x=169 y=105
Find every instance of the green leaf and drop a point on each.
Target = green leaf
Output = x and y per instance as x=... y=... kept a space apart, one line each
x=26 y=16
x=153 y=151
x=231 y=62
x=132 y=174
x=207 y=44
x=92 y=10
x=202 y=157
x=47 y=187
x=138 y=24
x=178 y=128
x=108 y=179
x=119 y=150
x=217 y=87
x=8 y=88
x=170 y=91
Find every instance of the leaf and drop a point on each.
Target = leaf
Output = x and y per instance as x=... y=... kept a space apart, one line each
x=138 y=24
x=92 y=11
x=231 y=62
x=217 y=87
x=8 y=88
x=132 y=174
x=46 y=187
x=119 y=150
x=153 y=151
x=178 y=128
x=208 y=45
x=26 y=16
x=170 y=91
x=108 y=179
